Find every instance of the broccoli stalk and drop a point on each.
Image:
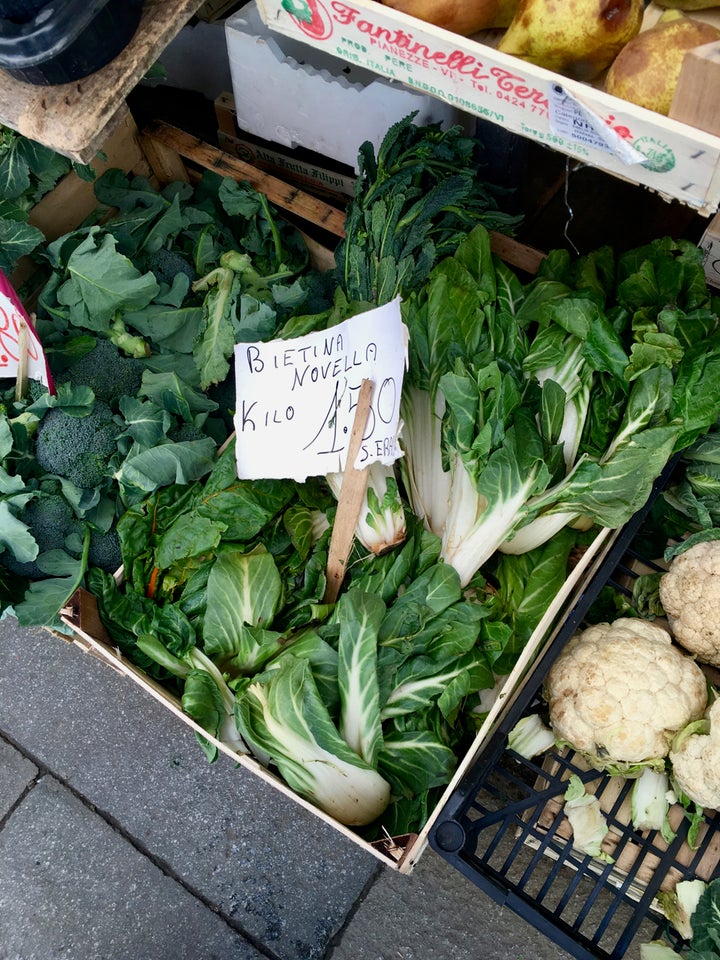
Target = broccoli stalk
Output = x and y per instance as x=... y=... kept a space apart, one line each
x=234 y=274
x=131 y=344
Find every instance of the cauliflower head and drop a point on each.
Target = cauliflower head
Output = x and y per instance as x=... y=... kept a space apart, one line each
x=690 y=597
x=696 y=762
x=620 y=691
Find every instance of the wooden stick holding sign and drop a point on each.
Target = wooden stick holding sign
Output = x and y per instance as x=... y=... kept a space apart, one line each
x=23 y=344
x=352 y=493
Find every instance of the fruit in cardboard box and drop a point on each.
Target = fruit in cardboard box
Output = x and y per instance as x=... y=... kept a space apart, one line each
x=464 y=17
x=578 y=38
x=647 y=70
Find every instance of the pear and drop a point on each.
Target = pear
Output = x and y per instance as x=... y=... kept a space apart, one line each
x=460 y=16
x=578 y=38
x=647 y=70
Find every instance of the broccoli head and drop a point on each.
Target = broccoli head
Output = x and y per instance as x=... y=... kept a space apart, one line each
x=50 y=519
x=109 y=374
x=104 y=550
x=165 y=264
x=77 y=448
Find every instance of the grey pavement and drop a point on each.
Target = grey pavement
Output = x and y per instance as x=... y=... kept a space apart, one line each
x=119 y=840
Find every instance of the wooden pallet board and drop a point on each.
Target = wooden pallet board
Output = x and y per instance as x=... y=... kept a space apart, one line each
x=77 y=118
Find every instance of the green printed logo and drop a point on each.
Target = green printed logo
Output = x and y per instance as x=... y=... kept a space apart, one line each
x=659 y=156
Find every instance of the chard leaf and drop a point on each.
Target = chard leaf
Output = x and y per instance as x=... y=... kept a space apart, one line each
x=452 y=632
x=360 y=615
x=189 y=535
x=414 y=761
x=281 y=717
x=529 y=581
x=323 y=660
x=298 y=522
x=201 y=700
x=243 y=590
x=475 y=675
x=421 y=681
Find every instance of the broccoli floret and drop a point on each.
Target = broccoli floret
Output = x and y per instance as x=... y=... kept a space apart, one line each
x=186 y=431
x=77 y=448
x=104 y=551
x=165 y=264
x=35 y=390
x=109 y=374
x=50 y=519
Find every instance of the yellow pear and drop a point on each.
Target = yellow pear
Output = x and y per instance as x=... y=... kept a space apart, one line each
x=460 y=16
x=647 y=70
x=578 y=38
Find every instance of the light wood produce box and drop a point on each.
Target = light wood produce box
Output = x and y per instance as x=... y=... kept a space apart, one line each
x=670 y=155
x=158 y=152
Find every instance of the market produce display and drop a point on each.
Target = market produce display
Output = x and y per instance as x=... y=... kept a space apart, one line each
x=536 y=412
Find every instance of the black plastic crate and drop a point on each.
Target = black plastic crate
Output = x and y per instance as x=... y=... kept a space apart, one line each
x=503 y=826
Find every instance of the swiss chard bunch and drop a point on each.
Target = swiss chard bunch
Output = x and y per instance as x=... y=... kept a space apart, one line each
x=556 y=402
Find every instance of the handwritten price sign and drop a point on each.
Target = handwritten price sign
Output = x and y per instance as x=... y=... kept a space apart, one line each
x=17 y=337
x=296 y=398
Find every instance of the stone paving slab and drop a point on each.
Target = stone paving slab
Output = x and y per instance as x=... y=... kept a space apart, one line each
x=437 y=913
x=16 y=773
x=72 y=887
x=277 y=872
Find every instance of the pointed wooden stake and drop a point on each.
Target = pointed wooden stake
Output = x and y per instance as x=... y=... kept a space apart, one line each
x=350 y=501
x=21 y=377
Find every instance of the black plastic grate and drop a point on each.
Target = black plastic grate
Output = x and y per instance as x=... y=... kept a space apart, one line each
x=504 y=829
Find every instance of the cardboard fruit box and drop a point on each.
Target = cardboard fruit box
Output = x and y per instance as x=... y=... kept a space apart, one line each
x=678 y=160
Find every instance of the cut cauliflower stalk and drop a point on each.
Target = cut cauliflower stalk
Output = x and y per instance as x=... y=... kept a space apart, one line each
x=619 y=692
x=695 y=760
x=690 y=597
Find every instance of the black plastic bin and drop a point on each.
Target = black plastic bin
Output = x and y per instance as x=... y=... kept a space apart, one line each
x=66 y=40
x=503 y=826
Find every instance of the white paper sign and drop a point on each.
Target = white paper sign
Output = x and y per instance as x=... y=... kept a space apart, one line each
x=570 y=118
x=11 y=320
x=296 y=399
x=710 y=246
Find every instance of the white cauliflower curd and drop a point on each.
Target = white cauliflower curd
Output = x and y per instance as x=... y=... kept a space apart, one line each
x=695 y=761
x=690 y=597
x=620 y=691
